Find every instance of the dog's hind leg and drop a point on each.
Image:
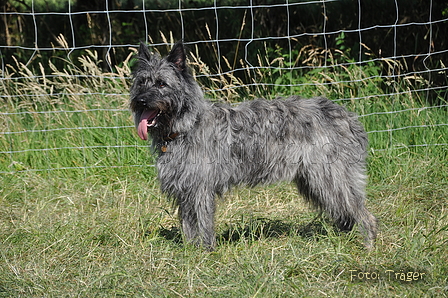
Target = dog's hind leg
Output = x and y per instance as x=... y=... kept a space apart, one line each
x=341 y=197
x=368 y=225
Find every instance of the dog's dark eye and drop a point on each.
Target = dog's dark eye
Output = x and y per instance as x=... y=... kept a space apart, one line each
x=161 y=84
x=142 y=83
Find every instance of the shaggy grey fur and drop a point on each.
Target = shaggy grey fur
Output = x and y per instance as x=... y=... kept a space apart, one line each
x=205 y=148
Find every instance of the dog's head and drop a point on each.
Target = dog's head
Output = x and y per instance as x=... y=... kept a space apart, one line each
x=163 y=92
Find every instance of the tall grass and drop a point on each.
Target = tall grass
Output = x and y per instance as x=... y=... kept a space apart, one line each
x=72 y=118
x=81 y=214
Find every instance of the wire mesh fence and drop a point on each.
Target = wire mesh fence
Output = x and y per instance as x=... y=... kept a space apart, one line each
x=65 y=71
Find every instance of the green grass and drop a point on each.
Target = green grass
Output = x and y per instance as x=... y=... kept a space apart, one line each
x=96 y=224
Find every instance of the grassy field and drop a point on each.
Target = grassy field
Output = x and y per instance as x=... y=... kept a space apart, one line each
x=81 y=214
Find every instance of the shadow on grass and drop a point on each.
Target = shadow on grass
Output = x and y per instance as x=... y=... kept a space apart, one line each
x=256 y=229
x=262 y=228
x=172 y=234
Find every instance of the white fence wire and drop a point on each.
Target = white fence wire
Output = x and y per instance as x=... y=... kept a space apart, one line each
x=19 y=149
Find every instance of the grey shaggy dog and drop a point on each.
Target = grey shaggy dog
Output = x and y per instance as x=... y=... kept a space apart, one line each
x=205 y=148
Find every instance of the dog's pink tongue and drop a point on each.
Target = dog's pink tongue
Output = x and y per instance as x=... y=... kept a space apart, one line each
x=142 y=128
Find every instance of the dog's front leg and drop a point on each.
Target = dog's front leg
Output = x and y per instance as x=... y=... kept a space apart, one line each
x=205 y=209
x=188 y=220
x=197 y=214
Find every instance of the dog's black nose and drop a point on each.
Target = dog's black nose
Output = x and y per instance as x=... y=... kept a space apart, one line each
x=141 y=101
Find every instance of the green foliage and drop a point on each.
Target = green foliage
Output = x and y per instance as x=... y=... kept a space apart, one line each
x=44 y=5
x=94 y=224
x=91 y=27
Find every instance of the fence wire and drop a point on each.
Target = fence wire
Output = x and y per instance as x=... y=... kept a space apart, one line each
x=30 y=134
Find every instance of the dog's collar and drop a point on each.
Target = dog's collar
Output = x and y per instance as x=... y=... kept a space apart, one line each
x=169 y=138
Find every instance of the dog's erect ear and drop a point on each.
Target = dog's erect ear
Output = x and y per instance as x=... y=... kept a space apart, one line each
x=177 y=56
x=143 y=52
